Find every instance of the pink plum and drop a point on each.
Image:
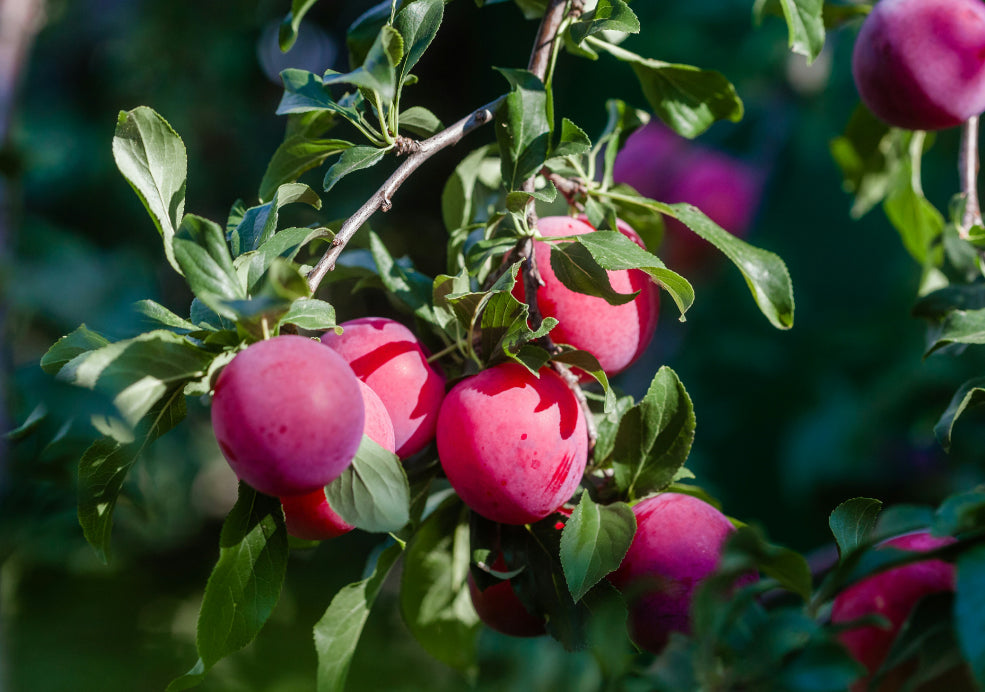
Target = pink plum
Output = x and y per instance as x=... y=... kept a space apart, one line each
x=388 y=357
x=513 y=445
x=678 y=543
x=288 y=415
x=892 y=594
x=310 y=516
x=615 y=334
x=920 y=64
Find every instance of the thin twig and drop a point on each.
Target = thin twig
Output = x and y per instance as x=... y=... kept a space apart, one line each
x=572 y=381
x=968 y=170
x=572 y=189
x=381 y=198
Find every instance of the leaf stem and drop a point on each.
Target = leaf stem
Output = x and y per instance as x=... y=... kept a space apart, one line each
x=968 y=170
x=381 y=198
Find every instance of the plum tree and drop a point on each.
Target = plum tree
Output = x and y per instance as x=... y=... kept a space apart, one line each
x=513 y=445
x=280 y=438
x=678 y=543
x=920 y=64
x=891 y=594
x=615 y=334
x=310 y=516
x=388 y=357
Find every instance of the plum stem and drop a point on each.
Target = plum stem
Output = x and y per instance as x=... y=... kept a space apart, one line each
x=381 y=199
x=968 y=170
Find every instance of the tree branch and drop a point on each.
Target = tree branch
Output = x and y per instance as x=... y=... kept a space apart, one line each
x=968 y=170
x=381 y=199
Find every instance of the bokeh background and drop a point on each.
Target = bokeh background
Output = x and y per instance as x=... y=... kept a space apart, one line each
x=789 y=423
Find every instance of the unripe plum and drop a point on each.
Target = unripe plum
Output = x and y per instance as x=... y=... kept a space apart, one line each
x=678 y=543
x=920 y=64
x=501 y=609
x=388 y=357
x=288 y=415
x=513 y=445
x=615 y=334
x=892 y=594
x=310 y=516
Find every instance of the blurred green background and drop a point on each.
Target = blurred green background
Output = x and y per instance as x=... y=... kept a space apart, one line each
x=789 y=424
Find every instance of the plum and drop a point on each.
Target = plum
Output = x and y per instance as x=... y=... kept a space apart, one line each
x=288 y=415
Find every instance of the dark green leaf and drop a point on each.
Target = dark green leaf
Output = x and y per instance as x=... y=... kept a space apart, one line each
x=377 y=72
x=961 y=327
x=420 y=121
x=576 y=268
x=434 y=593
x=260 y=223
x=151 y=156
x=161 y=316
x=608 y=427
x=968 y=608
x=311 y=314
x=373 y=493
x=289 y=27
x=608 y=15
x=405 y=283
x=305 y=92
x=82 y=340
x=969 y=395
x=245 y=584
x=787 y=567
x=586 y=362
x=614 y=251
x=805 y=23
x=338 y=630
x=352 y=159
x=30 y=424
x=914 y=217
x=687 y=98
x=517 y=200
x=623 y=120
x=867 y=157
x=960 y=513
x=418 y=23
x=201 y=251
x=523 y=128
x=852 y=522
x=296 y=155
x=573 y=141
x=285 y=244
x=594 y=542
x=927 y=638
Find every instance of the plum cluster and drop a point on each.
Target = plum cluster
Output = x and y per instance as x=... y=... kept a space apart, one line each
x=289 y=414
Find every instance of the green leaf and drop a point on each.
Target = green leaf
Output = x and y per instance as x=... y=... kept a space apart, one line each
x=852 y=522
x=654 y=438
x=151 y=156
x=30 y=424
x=246 y=582
x=586 y=362
x=161 y=316
x=338 y=630
x=576 y=268
x=687 y=98
x=377 y=71
x=201 y=251
x=960 y=513
x=275 y=293
x=517 y=200
x=259 y=223
x=352 y=160
x=969 y=395
x=82 y=340
x=969 y=605
x=573 y=141
x=621 y=123
x=457 y=196
x=420 y=121
x=787 y=567
x=295 y=156
x=418 y=23
x=608 y=15
x=434 y=592
x=594 y=542
x=288 y=33
x=104 y=467
x=310 y=314
x=138 y=372
x=867 y=156
x=523 y=128
x=764 y=272
x=285 y=244
x=805 y=24
x=914 y=217
x=961 y=327
x=373 y=493
x=305 y=92
x=406 y=284
x=614 y=251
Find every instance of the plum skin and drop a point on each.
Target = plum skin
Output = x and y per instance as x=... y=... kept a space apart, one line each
x=388 y=357
x=892 y=594
x=288 y=415
x=920 y=64
x=309 y=516
x=678 y=543
x=615 y=334
x=513 y=446
x=501 y=609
